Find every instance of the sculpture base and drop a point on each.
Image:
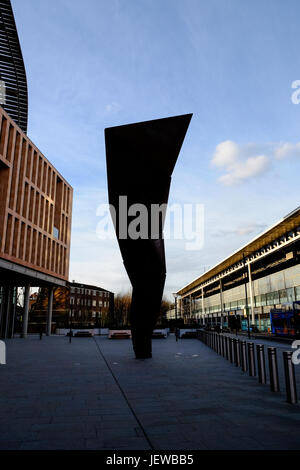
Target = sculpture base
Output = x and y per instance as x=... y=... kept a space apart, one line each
x=143 y=356
x=142 y=343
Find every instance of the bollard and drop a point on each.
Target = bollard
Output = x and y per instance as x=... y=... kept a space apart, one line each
x=273 y=369
x=221 y=345
x=260 y=353
x=243 y=356
x=226 y=347
x=232 y=348
x=237 y=353
x=223 y=348
x=229 y=348
x=251 y=360
x=290 y=381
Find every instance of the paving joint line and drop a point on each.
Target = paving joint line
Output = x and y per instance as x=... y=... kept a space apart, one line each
x=125 y=396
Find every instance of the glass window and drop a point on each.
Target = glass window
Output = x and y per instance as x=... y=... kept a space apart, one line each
x=290 y=294
x=270 y=298
x=276 y=297
x=263 y=299
x=283 y=296
x=55 y=232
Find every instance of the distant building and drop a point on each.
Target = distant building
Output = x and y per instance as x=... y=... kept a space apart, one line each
x=90 y=304
x=82 y=305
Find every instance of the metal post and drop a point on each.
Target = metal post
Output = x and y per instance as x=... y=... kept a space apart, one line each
x=237 y=353
x=221 y=345
x=70 y=332
x=290 y=381
x=221 y=302
x=229 y=348
x=232 y=357
x=49 y=313
x=176 y=323
x=260 y=352
x=26 y=311
x=251 y=360
x=243 y=356
x=251 y=294
x=246 y=299
x=273 y=368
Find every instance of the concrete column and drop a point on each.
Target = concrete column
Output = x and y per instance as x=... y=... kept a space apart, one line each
x=6 y=308
x=50 y=308
x=25 y=311
x=13 y=310
x=190 y=306
x=202 y=299
x=251 y=295
x=221 y=302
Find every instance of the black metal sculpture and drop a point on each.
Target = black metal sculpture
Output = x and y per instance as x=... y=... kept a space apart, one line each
x=13 y=83
x=140 y=161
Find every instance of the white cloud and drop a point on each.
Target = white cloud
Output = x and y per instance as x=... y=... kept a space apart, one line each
x=112 y=107
x=251 y=228
x=226 y=154
x=238 y=164
x=287 y=150
x=243 y=170
x=244 y=229
x=242 y=162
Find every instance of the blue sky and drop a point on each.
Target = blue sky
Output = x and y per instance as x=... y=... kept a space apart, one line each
x=101 y=63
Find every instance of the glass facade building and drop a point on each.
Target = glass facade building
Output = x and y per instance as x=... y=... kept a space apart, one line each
x=262 y=275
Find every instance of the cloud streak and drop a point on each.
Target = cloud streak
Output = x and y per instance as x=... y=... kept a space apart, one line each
x=243 y=162
x=237 y=164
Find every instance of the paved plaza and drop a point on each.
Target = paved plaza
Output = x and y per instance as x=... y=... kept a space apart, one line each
x=93 y=394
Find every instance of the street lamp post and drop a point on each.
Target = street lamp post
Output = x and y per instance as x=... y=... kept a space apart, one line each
x=70 y=332
x=175 y=296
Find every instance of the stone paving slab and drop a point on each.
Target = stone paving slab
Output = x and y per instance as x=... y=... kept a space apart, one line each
x=56 y=395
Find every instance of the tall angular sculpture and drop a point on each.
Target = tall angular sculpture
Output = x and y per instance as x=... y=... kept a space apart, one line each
x=140 y=161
